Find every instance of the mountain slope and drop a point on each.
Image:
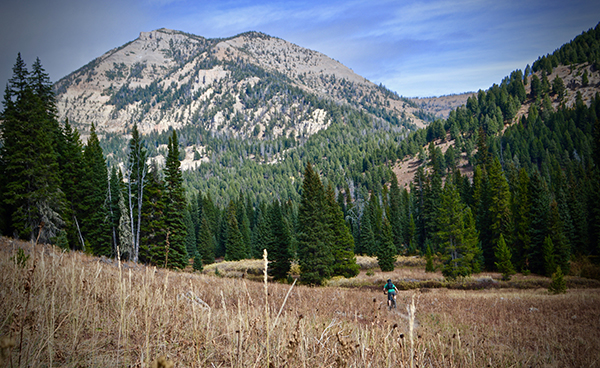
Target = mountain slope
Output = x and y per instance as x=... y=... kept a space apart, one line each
x=234 y=86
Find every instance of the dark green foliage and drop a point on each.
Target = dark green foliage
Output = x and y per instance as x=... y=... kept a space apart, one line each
x=205 y=243
x=386 y=252
x=96 y=221
x=175 y=209
x=153 y=235
x=235 y=248
x=457 y=235
x=198 y=265
x=548 y=256
x=429 y=257
x=503 y=257
x=31 y=197
x=314 y=251
x=342 y=242
x=558 y=284
x=279 y=248
x=539 y=223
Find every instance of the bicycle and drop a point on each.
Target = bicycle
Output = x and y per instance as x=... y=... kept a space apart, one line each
x=391 y=300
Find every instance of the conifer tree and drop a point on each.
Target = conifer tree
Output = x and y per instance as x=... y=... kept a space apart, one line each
x=235 y=249
x=386 y=252
x=521 y=218
x=72 y=174
x=539 y=223
x=395 y=215
x=548 y=256
x=279 y=248
x=190 y=239
x=175 y=207
x=342 y=242
x=31 y=195
x=262 y=236
x=429 y=260
x=314 y=252
x=153 y=234
x=457 y=235
x=367 y=236
x=205 y=242
x=558 y=284
x=503 y=256
x=96 y=220
x=499 y=209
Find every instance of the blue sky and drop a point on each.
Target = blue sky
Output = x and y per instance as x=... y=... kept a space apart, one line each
x=416 y=48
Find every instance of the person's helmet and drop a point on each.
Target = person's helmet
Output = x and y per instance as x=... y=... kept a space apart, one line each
x=389 y=280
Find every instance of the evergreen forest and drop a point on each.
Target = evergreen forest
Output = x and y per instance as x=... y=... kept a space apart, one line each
x=529 y=201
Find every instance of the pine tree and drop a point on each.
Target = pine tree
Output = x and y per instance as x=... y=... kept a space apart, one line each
x=521 y=212
x=539 y=223
x=235 y=249
x=279 y=248
x=457 y=235
x=386 y=253
x=205 y=242
x=342 y=242
x=314 y=253
x=548 y=256
x=153 y=235
x=558 y=284
x=31 y=196
x=429 y=258
x=72 y=175
x=503 y=256
x=499 y=209
x=262 y=236
x=175 y=208
x=395 y=215
x=96 y=222
x=367 y=235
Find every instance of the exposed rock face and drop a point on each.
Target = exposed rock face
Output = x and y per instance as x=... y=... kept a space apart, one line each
x=251 y=85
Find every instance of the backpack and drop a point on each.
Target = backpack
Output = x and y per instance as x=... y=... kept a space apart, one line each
x=389 y=286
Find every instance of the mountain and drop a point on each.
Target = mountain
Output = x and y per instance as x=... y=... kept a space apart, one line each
x=234 y=86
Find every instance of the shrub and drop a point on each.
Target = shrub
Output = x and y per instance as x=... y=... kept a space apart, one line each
x=558 y=285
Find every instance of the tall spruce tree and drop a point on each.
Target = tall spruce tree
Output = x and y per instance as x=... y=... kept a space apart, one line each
x=342 y=242
x=503 y=259
x=72 y=174
x=96 y=222
x=499 y=209
x=175 y=208
x=538 y=230
x=314 y=252
x=152 y=232
x=279 y=248
x=31 y=196
x=386 y=252
x=205 y=242
x=235 y=248
x=456 y=235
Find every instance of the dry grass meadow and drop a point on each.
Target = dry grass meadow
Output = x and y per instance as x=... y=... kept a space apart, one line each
x=72 y=310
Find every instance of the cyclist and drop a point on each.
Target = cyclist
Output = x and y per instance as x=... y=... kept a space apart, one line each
x=391 y=291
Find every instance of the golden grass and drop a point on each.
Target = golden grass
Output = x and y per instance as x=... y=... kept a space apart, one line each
x=93 y=312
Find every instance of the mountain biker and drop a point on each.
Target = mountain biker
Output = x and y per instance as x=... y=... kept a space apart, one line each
x=391 y=291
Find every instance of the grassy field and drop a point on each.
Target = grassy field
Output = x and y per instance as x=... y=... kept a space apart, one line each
x=72 y=310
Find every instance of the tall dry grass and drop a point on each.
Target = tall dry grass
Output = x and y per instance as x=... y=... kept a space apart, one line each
x=85 y=311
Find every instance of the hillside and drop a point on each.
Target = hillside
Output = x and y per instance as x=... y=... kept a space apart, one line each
x=234 y=86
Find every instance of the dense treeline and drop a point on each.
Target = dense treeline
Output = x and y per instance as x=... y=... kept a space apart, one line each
x=532 y=203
